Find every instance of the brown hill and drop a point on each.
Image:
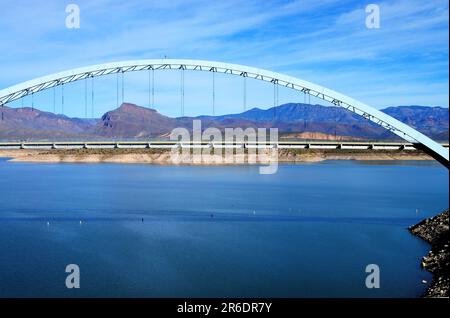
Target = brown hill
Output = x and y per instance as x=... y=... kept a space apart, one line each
x=301 y=121
x=27 y=124
x=132 y=121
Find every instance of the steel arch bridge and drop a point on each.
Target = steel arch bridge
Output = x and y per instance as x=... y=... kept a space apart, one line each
x=402 y=130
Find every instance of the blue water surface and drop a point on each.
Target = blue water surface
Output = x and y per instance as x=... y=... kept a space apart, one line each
x=216 y=231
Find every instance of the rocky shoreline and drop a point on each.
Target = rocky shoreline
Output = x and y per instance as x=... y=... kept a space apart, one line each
x=163 y=156
x=435 y=231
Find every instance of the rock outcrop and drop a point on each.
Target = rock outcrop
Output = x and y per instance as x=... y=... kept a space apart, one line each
x=436 y=232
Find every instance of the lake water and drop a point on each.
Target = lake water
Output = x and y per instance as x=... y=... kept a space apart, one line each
x=172 y=231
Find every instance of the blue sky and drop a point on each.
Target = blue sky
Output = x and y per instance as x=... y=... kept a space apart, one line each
x=404 y=62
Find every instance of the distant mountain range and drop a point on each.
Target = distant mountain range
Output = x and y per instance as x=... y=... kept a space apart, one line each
x=302 y=121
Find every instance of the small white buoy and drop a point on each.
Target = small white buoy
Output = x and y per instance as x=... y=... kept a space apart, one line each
x=254 y=212
x=48 y=223
x=81 y=222
x=424 y=281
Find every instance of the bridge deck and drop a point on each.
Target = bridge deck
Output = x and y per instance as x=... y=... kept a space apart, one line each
x=205 y=144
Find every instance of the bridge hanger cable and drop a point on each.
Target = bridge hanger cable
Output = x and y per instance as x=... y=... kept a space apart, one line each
x=309 y=98
x=335 y=122
x=304 y=104
x=183 y=94
x=123 y=87
x=245 y=93
x=117 y=89
x=54 y=99
x=274 y=104
x=92 y=97
x=32 y=101
x=149 y=88
x=85 y=100
x=182 y=90
x=153 y=88
x=214 y=93
x=275 y=99
x=62 y=99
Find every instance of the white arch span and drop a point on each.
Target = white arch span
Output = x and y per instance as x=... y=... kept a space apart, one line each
x=402 y=130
